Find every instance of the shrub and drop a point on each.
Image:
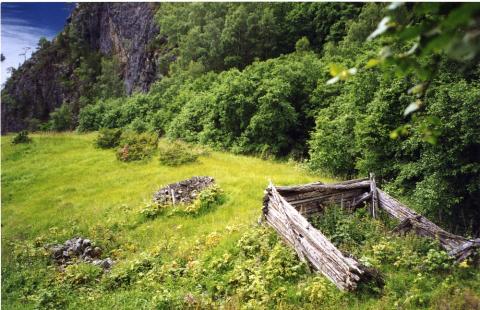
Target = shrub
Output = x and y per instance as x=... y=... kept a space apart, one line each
x=91 y=117
x=61 y=118
x=207 y=199
x=108 y=138
x=177 y=153
x=262 y=269
x=302 y=45
x=152 y=210
x=47 y=126
x=137 y=146
x=33 y=124
x=317 y=290
x=126 y=273
x=346 y=230
x=21 y=137
x=437 y=261
x=49 y=299
x=138 y=125
x=83 y=273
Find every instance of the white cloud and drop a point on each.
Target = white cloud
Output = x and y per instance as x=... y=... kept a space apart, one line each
x=17 y=34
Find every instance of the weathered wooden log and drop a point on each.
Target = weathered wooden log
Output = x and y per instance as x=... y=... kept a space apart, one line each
x=316 y=204
x=373 y=191
x=466 y=249
x=311 y=199
x=311 y=245
x=320 y=187
x=457 y=246
x=285 y=207
x=360 y=199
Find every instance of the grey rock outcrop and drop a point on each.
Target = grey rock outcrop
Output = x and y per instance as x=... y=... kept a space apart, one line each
x=79 y=249
x=127 y=31
x=182 y=192
x=124 y=30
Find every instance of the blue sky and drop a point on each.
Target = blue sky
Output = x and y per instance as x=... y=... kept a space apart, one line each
x=23 y=24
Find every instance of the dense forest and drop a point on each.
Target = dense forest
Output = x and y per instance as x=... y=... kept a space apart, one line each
x=252 y=78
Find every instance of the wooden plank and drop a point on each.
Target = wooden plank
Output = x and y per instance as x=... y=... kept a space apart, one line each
x=285 y=207
x=373 y=190
x=284 y=190
x=346 y=272
x=457 y=246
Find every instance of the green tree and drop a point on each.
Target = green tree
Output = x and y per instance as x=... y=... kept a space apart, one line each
x=302 y=45
x=109 y=83
x=43 y=43
x=61 y=118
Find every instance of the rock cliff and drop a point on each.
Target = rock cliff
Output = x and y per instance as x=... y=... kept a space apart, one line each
x=64 y=70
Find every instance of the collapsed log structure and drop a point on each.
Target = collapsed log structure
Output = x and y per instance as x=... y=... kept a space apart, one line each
x=287 y=209
x=457 y=246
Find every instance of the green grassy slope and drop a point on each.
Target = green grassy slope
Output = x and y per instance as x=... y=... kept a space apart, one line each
x=61 y=182
x=60 y=186
x=62 y=178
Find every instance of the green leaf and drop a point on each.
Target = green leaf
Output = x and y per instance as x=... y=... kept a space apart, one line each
x=461 y=16
x=437 y=43
x=411 y=32
x=372 y=63
x=417 y=89
x=425 y=8
x=336 y=69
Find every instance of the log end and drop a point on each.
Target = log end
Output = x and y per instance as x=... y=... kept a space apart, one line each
x=371 y=280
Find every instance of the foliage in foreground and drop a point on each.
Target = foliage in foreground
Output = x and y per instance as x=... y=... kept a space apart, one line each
x=255 y=271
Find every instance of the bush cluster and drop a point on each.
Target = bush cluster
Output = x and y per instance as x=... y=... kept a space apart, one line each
x=136 y=146
x=21 y=137
x=82 y=274
x=262 y=110
x=135 y=112
x=108 y=138
x=177 y=153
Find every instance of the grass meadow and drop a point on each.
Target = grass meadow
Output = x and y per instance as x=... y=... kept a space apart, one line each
x=60 y=186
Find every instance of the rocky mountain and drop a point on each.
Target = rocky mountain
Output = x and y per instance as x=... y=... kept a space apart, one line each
x=65 y=70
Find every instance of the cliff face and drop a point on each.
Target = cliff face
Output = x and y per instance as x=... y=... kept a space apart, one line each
x=124 y=30
x=50 y=77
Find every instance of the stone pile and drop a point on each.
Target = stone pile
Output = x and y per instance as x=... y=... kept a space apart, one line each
x=182 y=192
x=79 y=249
